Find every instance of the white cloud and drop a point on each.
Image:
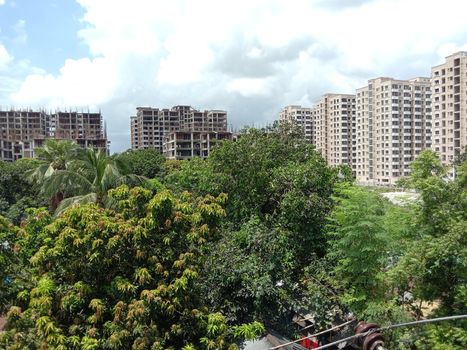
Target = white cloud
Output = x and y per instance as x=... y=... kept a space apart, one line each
x=21 y=37
x=250 y=86
x=5 y=57
x=81 y=82
x=2 y=2
x=248 y=56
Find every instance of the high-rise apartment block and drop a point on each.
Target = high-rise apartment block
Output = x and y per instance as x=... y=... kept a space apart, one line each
x=152 y=127
x=300 y=116
x=334 y=128
x=329 y=125
x=449 y=85
x=22 y=131
x=389 y=122
x=378 y=132
x=393 y=125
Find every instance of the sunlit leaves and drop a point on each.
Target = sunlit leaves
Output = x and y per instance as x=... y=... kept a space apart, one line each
x=122 y=279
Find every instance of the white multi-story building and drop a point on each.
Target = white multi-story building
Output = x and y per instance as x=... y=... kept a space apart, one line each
x=393 y=125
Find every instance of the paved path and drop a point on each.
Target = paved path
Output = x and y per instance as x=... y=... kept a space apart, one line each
x=401 y=197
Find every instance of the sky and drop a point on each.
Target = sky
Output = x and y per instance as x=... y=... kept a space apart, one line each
x=249 y=57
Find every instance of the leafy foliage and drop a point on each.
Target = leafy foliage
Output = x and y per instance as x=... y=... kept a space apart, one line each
x=122 y=279
x=391 y=260
x=279 y=194
x=71 y=175
x=358 y=244
x=245 y=276
x=16 y=191
x=267 y=230
x=143 y=162
x=8 y=261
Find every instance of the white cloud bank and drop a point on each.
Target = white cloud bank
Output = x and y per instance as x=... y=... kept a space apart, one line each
x=250 y=56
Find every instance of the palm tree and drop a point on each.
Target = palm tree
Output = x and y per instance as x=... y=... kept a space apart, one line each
x=87 y=179
x=55 y=155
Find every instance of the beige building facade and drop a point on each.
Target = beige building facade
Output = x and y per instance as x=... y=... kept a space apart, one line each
x=449 y=85
x=22 y=131
x=334 y=128
x=393 y=125
x=329 y=125
x=300 y=116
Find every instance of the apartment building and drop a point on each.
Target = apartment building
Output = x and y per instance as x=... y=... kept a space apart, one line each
x=189 y=144
x=449 y=85
x=22 y=131
x=300 y=116
x=393 y=125
x=150 y=126
x=334 y=128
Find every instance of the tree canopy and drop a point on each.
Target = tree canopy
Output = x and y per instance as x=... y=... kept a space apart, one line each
x=124 y=279
x=208 y=251
x=143 y=162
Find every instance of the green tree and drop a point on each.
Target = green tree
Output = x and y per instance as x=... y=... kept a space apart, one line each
x=55 y=155
x=143 y=162
x=16 y=191
x=8 y=262
x=195 y=176
x=246 y=276
x=122 y=279
x=279 y=194
x=434 y=266
x=245 y=169
x=358 y=245
x=85 y=179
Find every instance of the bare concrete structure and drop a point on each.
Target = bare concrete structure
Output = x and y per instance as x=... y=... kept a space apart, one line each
x=150 y=126
x=300 y=116
x=393 y=125
x=22 y=131
x=449 y=85
x=189 y=144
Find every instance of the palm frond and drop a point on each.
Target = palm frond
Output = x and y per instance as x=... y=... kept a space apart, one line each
x=66 y=181
x=82 y=199
x=131 y=180
x=110 y=176
x=37 y=174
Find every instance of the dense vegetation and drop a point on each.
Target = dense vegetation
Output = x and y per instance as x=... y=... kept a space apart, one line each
x=136 y=252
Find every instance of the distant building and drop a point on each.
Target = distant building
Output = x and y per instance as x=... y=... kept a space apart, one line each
x=189 y=144
x=334 y=128
x=329 y=125
x=300 y=116
x=449 y=85
x=382 y=129
x=22 y=131
x=151 y=127
x=393 y=125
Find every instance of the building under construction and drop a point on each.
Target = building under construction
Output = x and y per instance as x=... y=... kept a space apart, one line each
x=22 y=131
x=180 y=132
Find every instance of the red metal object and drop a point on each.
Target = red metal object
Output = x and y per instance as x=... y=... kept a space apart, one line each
x=371 y=341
